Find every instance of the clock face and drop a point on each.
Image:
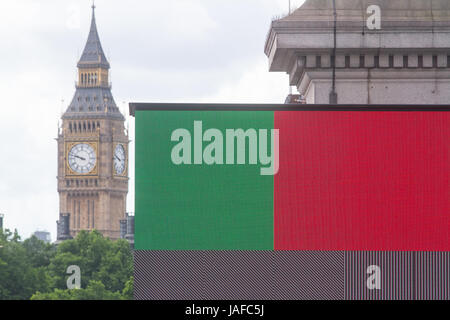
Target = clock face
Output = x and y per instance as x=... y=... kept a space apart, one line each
x=82 y=158
x=119 y=159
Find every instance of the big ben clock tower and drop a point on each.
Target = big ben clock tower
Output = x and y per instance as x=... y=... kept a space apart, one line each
x=93 y=149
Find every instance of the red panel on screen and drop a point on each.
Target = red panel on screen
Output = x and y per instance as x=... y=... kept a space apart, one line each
x=363 y=181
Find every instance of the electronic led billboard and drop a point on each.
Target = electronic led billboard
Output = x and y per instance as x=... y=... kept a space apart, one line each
x=291 y=193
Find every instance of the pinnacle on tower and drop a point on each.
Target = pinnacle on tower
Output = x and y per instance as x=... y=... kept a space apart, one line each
x=93 y=55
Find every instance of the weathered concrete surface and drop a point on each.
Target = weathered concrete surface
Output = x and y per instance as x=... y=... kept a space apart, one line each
x=404 y=62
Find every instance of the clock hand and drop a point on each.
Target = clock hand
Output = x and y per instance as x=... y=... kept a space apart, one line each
x=81 y=158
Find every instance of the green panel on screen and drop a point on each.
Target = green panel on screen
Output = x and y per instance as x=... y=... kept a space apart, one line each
x=199 y=206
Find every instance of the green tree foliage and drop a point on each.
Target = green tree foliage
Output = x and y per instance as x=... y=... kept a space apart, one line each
x=94 y=291
x=38 y=252
x=20 y=277
x=128 y=291
x=100 y=259
x=36 y=270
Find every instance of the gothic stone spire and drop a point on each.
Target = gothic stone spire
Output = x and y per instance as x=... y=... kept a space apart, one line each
x=93 y=97
x=93 y=55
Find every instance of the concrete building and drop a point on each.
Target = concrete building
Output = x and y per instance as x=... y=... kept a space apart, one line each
x=365 y=51
x=43 y=236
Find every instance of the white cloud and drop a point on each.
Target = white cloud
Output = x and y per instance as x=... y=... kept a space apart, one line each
x=255 y=85
x=186 y=19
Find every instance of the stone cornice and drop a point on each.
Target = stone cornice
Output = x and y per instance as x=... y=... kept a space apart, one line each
x=408 y=26
x=382 y=66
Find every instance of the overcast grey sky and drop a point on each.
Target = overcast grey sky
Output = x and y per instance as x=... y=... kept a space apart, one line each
x=159 y=50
